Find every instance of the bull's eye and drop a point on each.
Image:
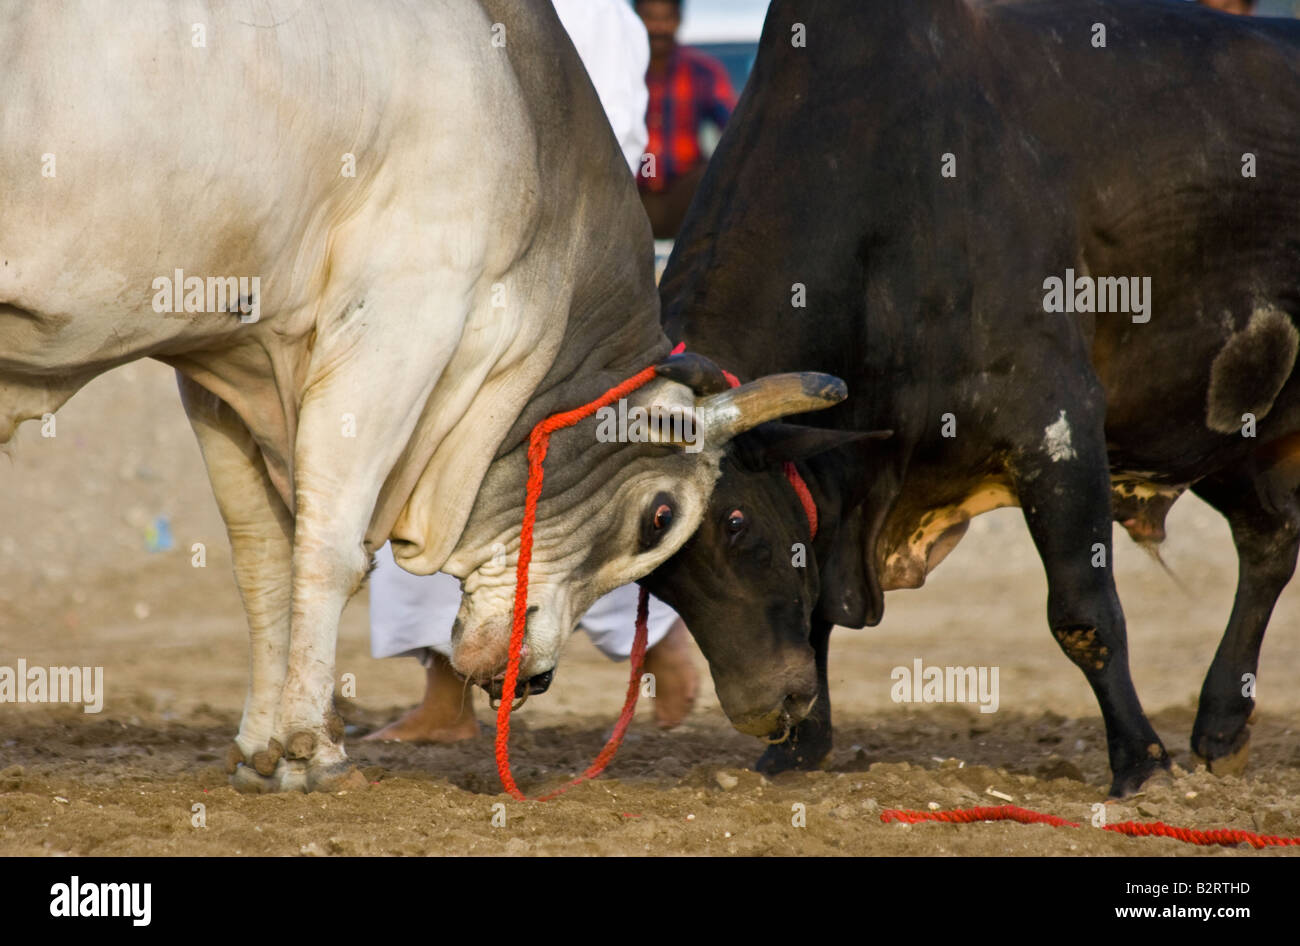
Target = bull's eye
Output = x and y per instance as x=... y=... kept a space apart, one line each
x=663 y=516
x=657 y=520
x=735 y=521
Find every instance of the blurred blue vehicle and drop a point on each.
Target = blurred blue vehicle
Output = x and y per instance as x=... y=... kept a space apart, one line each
x=727 y=30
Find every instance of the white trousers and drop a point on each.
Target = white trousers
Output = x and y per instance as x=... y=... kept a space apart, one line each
x=412 y=613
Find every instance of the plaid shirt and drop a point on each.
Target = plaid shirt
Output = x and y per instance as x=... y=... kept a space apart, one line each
x=693 y=88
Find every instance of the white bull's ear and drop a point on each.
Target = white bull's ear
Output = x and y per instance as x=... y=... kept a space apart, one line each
x=670 y=416
x=728 y=414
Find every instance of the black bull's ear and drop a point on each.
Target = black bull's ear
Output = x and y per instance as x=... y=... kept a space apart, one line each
x=852 y=482
x=797 y=442
x=695 y=371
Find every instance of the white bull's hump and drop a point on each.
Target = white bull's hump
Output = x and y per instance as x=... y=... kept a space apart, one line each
x=226 y=159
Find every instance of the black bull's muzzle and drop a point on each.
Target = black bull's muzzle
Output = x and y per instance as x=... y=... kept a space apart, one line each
x=771 y=713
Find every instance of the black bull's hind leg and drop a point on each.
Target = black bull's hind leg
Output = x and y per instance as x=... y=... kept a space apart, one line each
x=1266 y=531
x=1064 y=490
x=809 y=743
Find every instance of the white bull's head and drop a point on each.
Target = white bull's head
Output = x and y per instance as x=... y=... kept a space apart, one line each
x=623 y=491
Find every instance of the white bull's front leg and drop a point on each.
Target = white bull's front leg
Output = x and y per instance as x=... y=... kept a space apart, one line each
x=329 y=562
x=362 y=403
x=260 y=529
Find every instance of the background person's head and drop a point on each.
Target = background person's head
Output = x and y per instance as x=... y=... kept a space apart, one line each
x=1243 y=7
x=662 y=19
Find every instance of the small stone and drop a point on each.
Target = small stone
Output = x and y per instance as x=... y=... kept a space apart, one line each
x=690 y=817
x=726 y=781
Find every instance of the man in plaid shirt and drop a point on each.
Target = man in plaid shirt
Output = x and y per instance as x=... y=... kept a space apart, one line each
x=687 y=88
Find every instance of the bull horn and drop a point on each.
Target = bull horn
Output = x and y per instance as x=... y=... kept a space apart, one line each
x=730 y=413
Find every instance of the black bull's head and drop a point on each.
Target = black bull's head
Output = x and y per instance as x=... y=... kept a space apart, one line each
x=752 y=578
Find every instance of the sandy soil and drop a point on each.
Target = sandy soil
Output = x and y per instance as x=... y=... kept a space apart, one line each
x=79 y=585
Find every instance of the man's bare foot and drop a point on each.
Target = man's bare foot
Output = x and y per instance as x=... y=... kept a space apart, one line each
x=445 y=715
x=677 y=682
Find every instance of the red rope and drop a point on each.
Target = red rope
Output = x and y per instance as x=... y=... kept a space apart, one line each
x=1228 y=837
x=538 y=443
x=805 y=496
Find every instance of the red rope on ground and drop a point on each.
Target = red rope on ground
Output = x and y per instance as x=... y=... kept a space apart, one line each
x=538 y=443
x=1228 y=837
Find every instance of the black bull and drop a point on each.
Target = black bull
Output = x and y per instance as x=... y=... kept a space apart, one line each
x=888 y=204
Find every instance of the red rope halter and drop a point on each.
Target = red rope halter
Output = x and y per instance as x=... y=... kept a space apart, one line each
x=538 y=442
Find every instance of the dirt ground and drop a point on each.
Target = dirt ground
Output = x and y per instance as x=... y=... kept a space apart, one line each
x=80 y=586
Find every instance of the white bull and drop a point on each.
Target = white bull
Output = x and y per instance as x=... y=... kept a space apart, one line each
x=438 y=246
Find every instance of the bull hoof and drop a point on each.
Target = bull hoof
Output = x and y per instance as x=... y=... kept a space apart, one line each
x=246 y=780
x=234 y=758
x=794 y=755
x=335 y=778
x=1234 y=764
x=266 y=760
x=298 y=776
x=1131 y=780
x=1223 y=754
x=301 y=745
x=305 y=760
